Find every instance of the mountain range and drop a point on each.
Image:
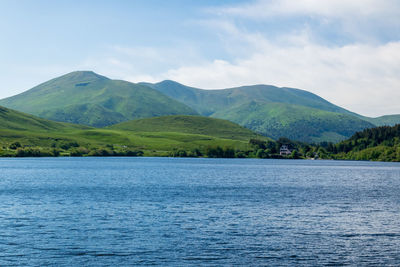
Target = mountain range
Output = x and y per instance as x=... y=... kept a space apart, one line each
x=272 y=111
x=86 y=98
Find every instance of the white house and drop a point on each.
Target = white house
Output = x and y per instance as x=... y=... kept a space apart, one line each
x=284 y=150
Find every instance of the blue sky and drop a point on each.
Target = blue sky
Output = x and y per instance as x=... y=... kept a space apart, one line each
x=345 y=51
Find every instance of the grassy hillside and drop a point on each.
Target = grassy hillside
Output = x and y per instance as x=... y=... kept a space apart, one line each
x=158 y=136
x=294 y=122
x=271 y=111
x=207 y=102
x=88 y=98
x=30 y=130
x=275 y=112
x=18 y=121
x=190 y=125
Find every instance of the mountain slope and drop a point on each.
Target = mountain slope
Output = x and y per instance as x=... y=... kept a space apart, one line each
x=293 y=121
x=271 y=111
x=30 y=130
x=188 y=124
x=207 y=102
x=15 y=120
x=88 y=98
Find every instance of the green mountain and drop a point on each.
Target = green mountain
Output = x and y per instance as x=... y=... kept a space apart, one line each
x=271 y=111
x=190 y=125
x=85 y=97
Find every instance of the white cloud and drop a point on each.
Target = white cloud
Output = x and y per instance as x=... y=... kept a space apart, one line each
x=327 y=8
x=362 y=20
x=361 y=77
x=140 y=63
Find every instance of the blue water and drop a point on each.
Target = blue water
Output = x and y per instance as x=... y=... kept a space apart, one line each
x=196 y=212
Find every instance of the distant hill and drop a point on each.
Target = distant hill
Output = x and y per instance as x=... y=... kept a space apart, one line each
x=271 y=111
x=294 y=122
x=85 y=97
x=387 y=120
x=188 y=124
x=379 y=144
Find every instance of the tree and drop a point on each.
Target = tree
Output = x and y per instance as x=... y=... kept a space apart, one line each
x=261 y=154
x=295 y=154
x=258 y=143
x=229 y=152
x=15 y=145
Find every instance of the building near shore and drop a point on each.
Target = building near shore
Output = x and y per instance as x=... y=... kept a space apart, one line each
x=284 y=150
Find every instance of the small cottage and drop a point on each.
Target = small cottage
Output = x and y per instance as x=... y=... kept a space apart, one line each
x=284 y=150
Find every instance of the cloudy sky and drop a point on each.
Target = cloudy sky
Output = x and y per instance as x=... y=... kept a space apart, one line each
x=345 y=51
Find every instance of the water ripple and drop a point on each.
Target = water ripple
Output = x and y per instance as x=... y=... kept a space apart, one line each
x=191 y=212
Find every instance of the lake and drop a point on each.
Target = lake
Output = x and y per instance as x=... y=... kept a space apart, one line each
x=196 y=212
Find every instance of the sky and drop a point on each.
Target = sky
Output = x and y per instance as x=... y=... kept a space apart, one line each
x=347 y=52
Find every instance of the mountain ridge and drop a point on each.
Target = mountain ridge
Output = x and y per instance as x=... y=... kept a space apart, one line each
x=228 y=104
x=268 y=93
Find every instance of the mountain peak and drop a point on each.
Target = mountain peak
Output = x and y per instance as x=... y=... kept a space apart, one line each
x=83 y=76
x=169 y=83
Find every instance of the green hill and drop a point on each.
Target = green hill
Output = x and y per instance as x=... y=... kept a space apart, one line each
x=18 y=121
x=190 y=125
x=162 y=136
x=294 y=122
x=30 y=130
x=88 y=98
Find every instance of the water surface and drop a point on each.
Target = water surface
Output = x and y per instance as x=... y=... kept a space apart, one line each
x=191 y=212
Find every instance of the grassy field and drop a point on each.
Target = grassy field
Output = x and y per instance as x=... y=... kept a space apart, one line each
x=188 y=125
